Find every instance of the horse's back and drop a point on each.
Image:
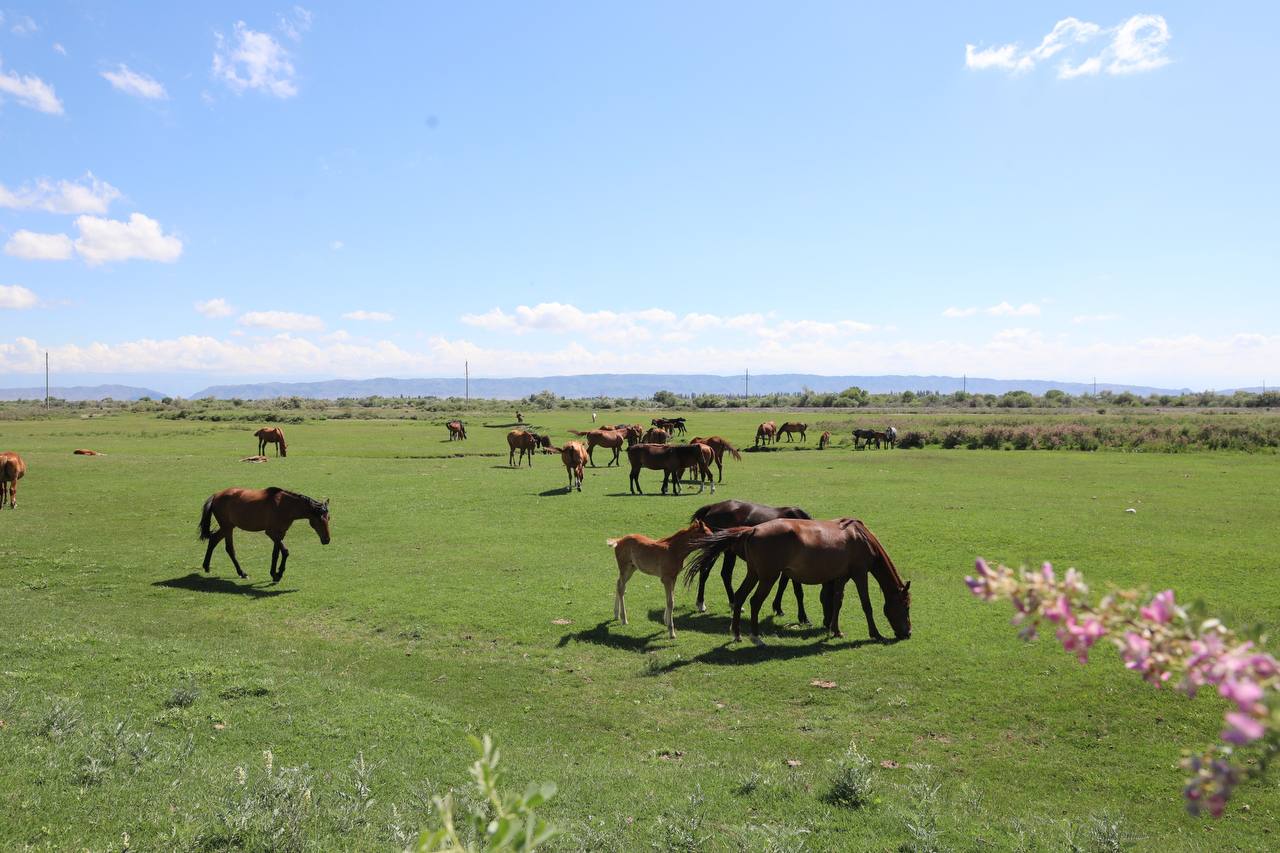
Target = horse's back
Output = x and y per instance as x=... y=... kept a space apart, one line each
x=12 y=467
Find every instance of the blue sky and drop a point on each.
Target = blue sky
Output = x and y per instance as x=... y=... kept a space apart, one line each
x=213 y=192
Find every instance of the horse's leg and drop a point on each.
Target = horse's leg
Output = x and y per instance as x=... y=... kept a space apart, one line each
x=231 y=552
x=759 y=598
x=777 y=599
x=798 y=589
x=617 y=457
x=284 y=558
x=740 y=598
x=619 y=598
x=860 y=579
x=837 y=599
x=214 y=539
x=726 y=574
x=275 y=554
x=701 y=604
x=669 y=583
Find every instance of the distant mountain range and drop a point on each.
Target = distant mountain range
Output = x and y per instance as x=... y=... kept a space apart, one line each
x=646 y=384
x=82 y=392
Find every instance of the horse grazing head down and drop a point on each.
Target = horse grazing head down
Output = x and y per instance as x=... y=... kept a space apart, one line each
x=897 y=609
x=319 y=519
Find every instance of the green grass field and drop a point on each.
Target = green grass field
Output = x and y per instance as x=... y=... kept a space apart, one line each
x=136 y=691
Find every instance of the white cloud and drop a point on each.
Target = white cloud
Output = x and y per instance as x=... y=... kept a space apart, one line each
x=58 y=48
x=337 y=245
x=254 y=60
x=286 y=321
x=215 y=308
x=376 y=316
x=103 y=240
x=16 y=297
x=39 y=247
x=88 y=194
x=1136 y=44
x=134 y=83
x=30 y=91
x=1003 y=309
x=24 y=26
x=295 y=24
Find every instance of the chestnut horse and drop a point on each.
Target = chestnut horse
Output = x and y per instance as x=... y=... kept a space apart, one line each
x=766 y=432
x=457 y=430
x=718 y=446
x=271 y=435
x=732 y=513
x=12 y=469
x=610 y=438
x=271 y=510
x=824 y=441
x=791 y=427
x=662 y=558
x=656 y=435
x=574 y=457
x=525 y=442
x=811 y=552
x=671 y=460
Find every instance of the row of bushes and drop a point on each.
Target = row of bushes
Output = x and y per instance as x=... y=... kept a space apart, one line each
x=1152 y=437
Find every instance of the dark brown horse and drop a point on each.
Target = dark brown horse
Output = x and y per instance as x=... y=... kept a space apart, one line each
x=610 y=438
x=457 y=430
x=718 y=446
x=270 y=510
x=793 y=427
x=12 y=469
x=766 y=432
x=674 y=426
x=824 y=441
x=671 y=460
x=525 y=442
x=866 y=436
x=574 y=457
x=271 y=435
x=731 y=513
x=810 y=552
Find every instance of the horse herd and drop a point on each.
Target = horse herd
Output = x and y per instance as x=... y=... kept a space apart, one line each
x=778 y=544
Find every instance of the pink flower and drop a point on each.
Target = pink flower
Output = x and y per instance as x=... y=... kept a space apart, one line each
x=1078 y=638
x=1245 y=694
x=1241 y=728
x=1161 y=608
x=1136 y=652
x=1059 y=611
x=1046 y=571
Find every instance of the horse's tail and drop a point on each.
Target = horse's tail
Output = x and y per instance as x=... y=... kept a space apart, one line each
x=578 y=432
x=705 y=550
x=700 y=514
x=205 y=516
x=284 y=448
x=732 y=450
x=612 y=543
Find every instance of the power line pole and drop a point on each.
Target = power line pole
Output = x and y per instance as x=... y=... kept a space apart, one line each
x=466 y=380
x=46 y=379
x=964 y=384
x=746 y=384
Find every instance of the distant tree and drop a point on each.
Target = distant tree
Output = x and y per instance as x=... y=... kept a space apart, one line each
x=666 y=398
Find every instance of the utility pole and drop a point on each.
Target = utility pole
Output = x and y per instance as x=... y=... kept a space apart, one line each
x=1095 y=386
x=964 y=384
x=466 y=380
x=746 y=384
x=46 y=379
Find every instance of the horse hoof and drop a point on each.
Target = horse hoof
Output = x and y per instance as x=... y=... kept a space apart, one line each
x=806 y=623
x=702 y=608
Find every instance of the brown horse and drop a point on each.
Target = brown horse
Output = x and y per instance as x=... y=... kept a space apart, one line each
x=271 y=435
x=656 y=435
x=866 y=436
x=525 y=442
x=574 y=457
x=661 y=558
x=271 y=510
x=735 y=513
x=718 y=446
x=766 y=432
x=824 y=441
x=674 y=426
x=12 y=469
x=610 y=438
x=792 y=427
x=457 y=430
x=809 y=552
x=671 y=460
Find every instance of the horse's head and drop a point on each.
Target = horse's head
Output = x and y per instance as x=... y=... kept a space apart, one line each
x=319 y=520
x=543 y=441
x=897 y=609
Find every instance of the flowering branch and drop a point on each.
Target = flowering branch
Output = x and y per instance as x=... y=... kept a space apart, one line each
x=1162 y=642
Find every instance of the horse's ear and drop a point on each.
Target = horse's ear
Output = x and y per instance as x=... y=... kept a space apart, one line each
x=907 y=587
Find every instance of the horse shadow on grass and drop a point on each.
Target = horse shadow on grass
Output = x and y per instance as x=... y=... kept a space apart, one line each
x=744 y=653
x=199 y=582
x=600 y=635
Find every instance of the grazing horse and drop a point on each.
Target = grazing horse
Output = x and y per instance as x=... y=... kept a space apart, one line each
x=671 y=460
x=662 y=558
x=863 y=435
x=271 y=510
x=718 y=446
x=271 y=435
x=824 y=441
x=792 y=427
x=675 y=426
x=656 y=435
x=525 y=442
x=731 y=513
x=766 y=432
x=610 y=438
x=811 y=552
x=892 y=433
x=457 y=430
x=574 y=457
x=12 y=469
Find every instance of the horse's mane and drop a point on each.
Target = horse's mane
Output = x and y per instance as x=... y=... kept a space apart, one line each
x=276 y=490
x=878 y=550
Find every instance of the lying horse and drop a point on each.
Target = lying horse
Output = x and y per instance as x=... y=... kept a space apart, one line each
x=457 y=430
x=732 y=513
x=610 y=438
x=810 y=552
x=792 y=427
x=662 y=558
x=12 y=469
x=718 y=446
x=271 y=510
x=671 y=460
x=525 y=442
x=271 y=435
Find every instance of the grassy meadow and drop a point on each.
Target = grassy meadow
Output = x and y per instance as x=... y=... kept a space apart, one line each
x=148 y=706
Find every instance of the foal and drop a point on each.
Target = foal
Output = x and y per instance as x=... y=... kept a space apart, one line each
x=574 y=457
x=271 y=510
x=11 y=470
x=662 y=558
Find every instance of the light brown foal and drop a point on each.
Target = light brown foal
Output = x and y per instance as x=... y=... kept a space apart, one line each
x=12 y=469
x=662 y=558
